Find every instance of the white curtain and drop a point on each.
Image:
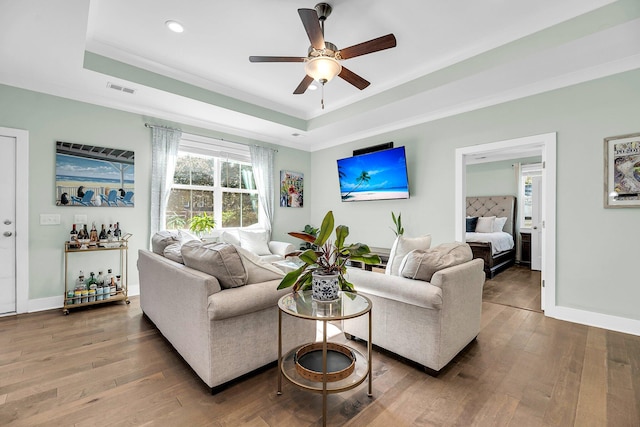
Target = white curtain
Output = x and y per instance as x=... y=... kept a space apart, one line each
x=262 y=164
x=164 y=153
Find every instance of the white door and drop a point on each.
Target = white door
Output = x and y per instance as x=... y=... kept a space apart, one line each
x=7 y=225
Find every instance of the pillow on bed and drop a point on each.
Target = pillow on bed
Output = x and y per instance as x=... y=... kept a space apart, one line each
x=485 y=224
x=499 y=223
x=472 y=221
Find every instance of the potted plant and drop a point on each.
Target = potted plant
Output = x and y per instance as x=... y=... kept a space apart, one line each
x=200 y=224
x=324 y=268
x=397 y=221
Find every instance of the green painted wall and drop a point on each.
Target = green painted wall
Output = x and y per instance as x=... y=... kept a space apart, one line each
x=582 y=115
x=495 y=178
x=587 y=234
x=49 y=119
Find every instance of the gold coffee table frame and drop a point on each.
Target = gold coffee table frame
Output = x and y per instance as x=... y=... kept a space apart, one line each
x=349 y=305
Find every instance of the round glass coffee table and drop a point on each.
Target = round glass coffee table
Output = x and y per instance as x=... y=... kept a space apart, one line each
x=348 y=306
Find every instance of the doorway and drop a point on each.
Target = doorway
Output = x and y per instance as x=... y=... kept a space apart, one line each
x=545 y=146
x=14 y=228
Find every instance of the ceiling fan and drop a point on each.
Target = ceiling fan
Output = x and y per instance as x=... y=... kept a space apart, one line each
x=322 y=61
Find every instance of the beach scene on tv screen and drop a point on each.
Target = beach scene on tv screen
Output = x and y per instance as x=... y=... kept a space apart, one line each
x=381 y=175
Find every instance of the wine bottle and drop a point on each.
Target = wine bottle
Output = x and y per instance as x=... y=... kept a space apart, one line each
x=73 y=237
x=103 y=233
x=110 y=232
x=116 y=232
x=93 y=235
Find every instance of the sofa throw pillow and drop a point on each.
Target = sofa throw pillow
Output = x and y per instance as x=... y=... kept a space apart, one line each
x=255 y=241
x=485 y=224
x=498 y=223
x=258 y=271
x=230 y=237
x=423 y=264
x=174 y=252
x=472 y=221
x=162 y=239
x=220 y=260
x=402 y=246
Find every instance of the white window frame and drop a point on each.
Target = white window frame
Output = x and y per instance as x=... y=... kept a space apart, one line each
x=220 y=151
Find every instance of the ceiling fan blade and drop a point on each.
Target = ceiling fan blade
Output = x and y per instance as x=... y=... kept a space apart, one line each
x=381 y=43
x=276 y=59
x=351 y=77
x=304 y=84
x=312 y=26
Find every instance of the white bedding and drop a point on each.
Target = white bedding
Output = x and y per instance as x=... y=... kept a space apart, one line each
x=500 y=241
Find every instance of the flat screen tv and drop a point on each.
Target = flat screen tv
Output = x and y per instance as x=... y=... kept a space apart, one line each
x=381 y=175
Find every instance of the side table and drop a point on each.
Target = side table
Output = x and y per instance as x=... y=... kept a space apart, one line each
x=348 y=305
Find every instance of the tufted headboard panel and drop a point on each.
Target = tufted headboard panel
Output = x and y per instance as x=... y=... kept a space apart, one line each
x=494 y=205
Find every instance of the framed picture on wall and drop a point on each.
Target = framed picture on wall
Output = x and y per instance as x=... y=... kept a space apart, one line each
x=291 y=189
x=622 y=171
x=87 y=175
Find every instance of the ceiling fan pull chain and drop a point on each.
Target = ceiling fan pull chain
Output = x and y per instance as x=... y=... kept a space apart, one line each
x=322 y=99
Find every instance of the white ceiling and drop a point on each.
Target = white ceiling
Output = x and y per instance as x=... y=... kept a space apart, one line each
x=452 y=56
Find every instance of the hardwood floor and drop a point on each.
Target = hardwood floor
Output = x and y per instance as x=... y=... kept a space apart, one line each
x=517 y=286
x=109 y=366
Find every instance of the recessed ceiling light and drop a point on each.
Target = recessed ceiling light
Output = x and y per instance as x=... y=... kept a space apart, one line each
x=312 y=87
x=174 y=26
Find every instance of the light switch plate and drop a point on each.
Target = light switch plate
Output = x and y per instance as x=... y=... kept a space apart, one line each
x=80 y=219
x=49 y=219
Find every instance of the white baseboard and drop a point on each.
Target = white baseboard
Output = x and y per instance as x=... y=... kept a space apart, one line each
x=598 y=320
x=42 y=304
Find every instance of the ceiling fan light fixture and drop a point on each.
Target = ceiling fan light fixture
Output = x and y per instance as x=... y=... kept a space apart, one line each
x=174 y=26
x=322 y=68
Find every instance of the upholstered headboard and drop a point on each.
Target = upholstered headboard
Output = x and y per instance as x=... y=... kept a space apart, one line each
x=494 y=205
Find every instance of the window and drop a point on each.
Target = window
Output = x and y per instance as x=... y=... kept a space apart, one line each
x=527 y=173
x=215 y=177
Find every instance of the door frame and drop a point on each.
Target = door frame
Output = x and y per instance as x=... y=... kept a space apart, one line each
x=22 y=216
x=545 y=146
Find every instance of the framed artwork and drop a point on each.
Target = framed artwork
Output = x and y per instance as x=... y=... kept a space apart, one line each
x=622 y=171
x=87 y=175
x=291 y=189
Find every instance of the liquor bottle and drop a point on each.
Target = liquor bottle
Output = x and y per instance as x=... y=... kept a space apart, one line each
x=103 y=233
x=93 y=235
x=107 y=284
x=81 y=234
x=73 y=237
x=117 y=232
x=80 y=283
x=86 y=232
x=110 y=232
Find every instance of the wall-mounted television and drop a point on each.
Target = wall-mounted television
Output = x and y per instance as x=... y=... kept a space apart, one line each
x=381 y=175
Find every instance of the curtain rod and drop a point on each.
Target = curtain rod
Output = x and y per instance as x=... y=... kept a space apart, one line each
x=148 y=125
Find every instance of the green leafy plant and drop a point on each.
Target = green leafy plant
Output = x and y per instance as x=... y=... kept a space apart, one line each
x=331 y=257
x=397 y=221
x=176 y=221
x=312 y=231
x=200 y=224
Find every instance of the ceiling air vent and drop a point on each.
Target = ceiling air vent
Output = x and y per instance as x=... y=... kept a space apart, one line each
x=121 y=88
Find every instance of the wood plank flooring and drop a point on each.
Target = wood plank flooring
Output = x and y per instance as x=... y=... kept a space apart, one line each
x=109 y=366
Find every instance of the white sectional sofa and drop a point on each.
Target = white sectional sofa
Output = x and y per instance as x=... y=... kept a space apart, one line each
x=224 y=325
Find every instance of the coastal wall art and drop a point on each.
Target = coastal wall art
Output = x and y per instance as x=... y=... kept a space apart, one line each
x=291 y=189
x=88 y=175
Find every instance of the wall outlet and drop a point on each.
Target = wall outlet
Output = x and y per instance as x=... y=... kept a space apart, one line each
x=80 y=219
x=49 y=219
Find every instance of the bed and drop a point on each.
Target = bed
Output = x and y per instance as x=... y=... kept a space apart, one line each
x=496 y=248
